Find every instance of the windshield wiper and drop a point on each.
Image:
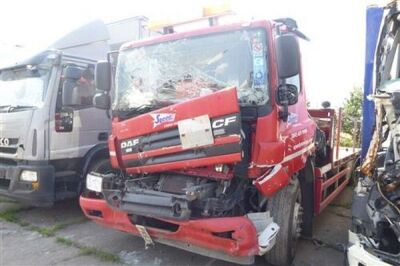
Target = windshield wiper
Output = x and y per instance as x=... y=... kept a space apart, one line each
x=4 y=107
x=11 y=108
x=142 y=109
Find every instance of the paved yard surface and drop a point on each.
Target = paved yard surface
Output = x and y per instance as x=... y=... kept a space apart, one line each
x=62 y=236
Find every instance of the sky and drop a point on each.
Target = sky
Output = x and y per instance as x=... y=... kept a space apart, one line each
x=333 y=61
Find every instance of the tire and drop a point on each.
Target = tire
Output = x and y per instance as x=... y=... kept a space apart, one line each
x=306 y=179
x=284 y=207
x=102 y=166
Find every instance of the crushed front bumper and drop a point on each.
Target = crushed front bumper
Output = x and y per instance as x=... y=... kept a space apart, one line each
x=40 y=193
x=201 y=236
x=357 y=255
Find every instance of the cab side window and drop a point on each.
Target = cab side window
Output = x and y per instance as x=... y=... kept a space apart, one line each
x=84 y=88
x=76 y=89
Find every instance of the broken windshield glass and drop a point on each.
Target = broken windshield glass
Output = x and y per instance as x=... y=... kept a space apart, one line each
x=175 y=71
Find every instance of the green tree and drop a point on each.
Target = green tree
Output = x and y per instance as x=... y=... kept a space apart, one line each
x=352 y=110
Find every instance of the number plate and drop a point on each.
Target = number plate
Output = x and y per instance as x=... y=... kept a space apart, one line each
x=94 y=183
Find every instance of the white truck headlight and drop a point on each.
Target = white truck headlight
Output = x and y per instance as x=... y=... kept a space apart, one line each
x=27 y=175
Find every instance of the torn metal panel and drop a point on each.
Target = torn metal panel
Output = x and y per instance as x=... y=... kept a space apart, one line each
x=376 y=201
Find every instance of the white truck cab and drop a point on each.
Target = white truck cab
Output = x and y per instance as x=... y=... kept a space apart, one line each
x=49 y=130
x=50 y=133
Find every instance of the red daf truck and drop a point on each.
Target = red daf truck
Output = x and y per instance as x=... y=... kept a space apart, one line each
x=213 y=149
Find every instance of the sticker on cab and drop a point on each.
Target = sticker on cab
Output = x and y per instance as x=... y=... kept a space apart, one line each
x=162 y=118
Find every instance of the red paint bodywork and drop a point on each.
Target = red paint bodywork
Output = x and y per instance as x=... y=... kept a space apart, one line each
x=269 y=183
x=218 y=104
x=196 y=232
x=273 y=142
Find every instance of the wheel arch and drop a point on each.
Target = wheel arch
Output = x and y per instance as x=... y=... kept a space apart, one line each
x=98 y=151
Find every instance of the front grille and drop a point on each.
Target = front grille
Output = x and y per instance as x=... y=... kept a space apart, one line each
x=7 y=162
x=9 y=145
x=4 y=183
x=10 y=150
x=13 y=141
x=199 y=153
x=152 y=141
x=223 y=126
x=170 y=137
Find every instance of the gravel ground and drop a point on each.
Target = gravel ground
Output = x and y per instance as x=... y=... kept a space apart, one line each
x=61 y=235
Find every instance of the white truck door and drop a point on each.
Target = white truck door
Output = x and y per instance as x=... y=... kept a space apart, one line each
x=77 y=125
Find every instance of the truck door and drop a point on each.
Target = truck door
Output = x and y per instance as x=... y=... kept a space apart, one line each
x=298 y=129
x=77 y=125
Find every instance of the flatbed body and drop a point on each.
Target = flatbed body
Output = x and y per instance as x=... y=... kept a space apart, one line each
x=332 y=176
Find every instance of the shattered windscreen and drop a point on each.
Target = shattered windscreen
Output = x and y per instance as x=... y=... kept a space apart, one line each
x=171 y=72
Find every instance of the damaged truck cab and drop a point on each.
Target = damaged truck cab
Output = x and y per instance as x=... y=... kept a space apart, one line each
x=212 y=147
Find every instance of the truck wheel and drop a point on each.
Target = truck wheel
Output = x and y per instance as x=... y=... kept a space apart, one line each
x=102 y=166
x=286 y=210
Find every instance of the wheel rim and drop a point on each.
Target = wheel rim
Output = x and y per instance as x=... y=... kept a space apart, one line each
x=297 y=221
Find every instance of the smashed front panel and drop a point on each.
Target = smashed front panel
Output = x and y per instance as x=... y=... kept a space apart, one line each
x=195 y=133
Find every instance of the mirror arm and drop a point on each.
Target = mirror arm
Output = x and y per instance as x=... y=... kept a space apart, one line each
x=284 y=112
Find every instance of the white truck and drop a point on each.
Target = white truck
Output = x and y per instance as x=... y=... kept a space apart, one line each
x=50 y=133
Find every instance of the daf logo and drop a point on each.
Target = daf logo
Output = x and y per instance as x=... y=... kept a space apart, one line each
x=223 y=122
x=4 y=142
x=129 y=143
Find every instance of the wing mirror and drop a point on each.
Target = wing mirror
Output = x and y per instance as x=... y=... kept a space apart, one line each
x=286 y=94
x=287 y=56
x=103 y=76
